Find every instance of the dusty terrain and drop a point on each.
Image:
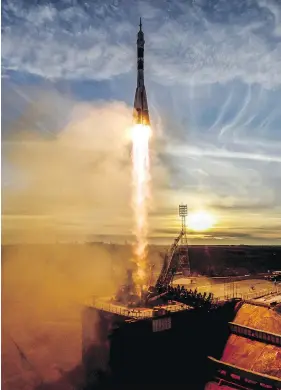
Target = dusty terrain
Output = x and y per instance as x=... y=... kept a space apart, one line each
x=259 y=317
x=250 y=354
x=253 y=355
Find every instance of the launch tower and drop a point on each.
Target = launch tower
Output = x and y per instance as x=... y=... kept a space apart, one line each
x=184 y=264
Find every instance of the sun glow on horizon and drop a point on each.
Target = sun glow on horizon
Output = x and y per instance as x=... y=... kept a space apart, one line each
x=200 y=221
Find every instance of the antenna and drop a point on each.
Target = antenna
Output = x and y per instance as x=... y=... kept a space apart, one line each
x=183 y=215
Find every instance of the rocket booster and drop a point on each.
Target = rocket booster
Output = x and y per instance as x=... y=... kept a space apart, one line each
x=141 y=114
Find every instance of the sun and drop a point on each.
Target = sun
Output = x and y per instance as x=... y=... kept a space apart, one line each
x=200 y=221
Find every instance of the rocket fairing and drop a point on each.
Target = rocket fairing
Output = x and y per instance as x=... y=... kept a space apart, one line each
x=141 y=114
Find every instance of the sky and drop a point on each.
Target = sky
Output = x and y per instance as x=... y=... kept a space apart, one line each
x=213 y=82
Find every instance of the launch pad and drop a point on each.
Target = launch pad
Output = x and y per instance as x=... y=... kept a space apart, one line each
x=141 y=312
x=161 y=298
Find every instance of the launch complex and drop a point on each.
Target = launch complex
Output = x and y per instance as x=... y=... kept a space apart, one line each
x=135 y=336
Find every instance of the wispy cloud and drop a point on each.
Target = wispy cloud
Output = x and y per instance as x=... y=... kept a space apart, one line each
x=188 y=151
x=63 y=41
x=213 y=87
x=198 y=43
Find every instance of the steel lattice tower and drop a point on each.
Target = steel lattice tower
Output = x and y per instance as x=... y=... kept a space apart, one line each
x=183 y=249
x=183 y=215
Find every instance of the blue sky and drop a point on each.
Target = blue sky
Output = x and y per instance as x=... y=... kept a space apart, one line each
x=213 y=80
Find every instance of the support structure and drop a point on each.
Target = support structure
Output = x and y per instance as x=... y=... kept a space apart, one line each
x=183 y=215
x=177 y=258
x=184 y=264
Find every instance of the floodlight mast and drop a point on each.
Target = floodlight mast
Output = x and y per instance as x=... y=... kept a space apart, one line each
x=183 y=214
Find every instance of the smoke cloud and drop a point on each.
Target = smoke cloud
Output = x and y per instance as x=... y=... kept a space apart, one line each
x=44 y=288
x=67 y=177
x=73 y=179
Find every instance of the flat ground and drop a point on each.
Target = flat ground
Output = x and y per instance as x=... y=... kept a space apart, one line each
x=221 y=287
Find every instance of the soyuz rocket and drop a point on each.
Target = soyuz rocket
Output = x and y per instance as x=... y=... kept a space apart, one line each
x=141 y=114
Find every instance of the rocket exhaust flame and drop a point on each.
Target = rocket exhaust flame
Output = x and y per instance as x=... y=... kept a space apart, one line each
x=140 y=156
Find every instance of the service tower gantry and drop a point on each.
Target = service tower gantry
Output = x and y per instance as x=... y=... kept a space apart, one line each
x=177 y=258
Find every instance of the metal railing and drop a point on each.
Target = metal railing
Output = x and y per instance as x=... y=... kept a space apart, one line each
x=136 y=313
x=123 y=311
x=148 y=313
x=242 y=376
x=262 y=293
x=257 y=334
x=253 y=295
x=177 y=307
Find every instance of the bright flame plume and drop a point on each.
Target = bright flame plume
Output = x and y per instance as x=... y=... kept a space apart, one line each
x=140 y=155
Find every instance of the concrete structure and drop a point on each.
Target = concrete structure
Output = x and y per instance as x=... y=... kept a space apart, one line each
x=255 y=334
x=237 y=377
x=141 y=346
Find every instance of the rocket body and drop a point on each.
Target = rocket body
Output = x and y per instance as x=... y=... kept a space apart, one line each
x=141 y=114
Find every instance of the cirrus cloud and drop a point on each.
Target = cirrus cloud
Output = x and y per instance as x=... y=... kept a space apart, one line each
x=198 y=43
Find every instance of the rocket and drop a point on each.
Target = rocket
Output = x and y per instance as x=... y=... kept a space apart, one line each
x=141 y=114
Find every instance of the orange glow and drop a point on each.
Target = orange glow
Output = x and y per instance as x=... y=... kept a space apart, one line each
x=140 y=140
x=201 y=221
